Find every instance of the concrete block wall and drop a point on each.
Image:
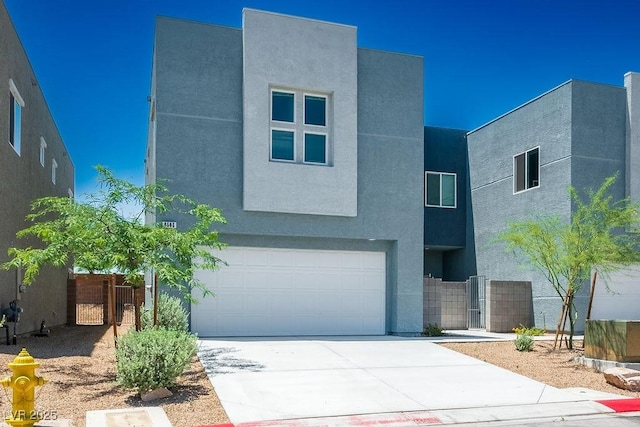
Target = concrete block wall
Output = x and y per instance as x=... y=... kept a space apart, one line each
x=445 y=303
x=509 y=304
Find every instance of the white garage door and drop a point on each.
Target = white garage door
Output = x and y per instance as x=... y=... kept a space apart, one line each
x=270 y=292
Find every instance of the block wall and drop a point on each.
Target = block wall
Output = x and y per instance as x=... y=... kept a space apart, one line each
x=445 y=303
x=509 y=304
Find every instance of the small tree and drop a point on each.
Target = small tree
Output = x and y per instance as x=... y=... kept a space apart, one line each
x=596 y=238
x=100 y=238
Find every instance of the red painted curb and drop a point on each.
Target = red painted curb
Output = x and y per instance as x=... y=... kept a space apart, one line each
x=394 y=419
x=622 y=405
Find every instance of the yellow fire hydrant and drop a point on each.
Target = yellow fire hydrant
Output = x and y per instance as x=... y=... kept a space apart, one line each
x=23 y=382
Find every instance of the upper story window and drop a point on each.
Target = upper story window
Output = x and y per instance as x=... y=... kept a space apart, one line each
x=526 y=170
x=283 y=145
x=43 y=147
x=299 y=128
x=315 y=110
x=16 y=103
x=440 y=189
x=54 y=169
x=282 y=106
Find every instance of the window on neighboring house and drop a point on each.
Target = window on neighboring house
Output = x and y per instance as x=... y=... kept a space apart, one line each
x=43 y=146
x=16 y=103
x=54 y=167
x=440 y=189
x=298 y=140
x=526 y=170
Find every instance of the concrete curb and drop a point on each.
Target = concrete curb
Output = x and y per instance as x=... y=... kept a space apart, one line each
x=541 y=411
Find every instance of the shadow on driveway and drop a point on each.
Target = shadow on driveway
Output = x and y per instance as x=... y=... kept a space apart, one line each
x=222 y=361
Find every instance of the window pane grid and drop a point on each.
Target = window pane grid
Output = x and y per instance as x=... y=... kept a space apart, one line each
x=299 y=130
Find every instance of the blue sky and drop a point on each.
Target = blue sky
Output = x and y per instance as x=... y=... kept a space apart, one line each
x=482 y=58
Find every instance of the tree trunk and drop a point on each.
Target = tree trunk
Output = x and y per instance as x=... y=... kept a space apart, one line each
x=572 y=320
x=112 y=295
x=136 y=309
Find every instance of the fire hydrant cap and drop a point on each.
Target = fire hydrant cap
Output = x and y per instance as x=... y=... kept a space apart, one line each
x=23 y=359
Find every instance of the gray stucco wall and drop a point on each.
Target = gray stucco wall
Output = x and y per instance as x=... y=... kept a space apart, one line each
x=199 y=148
x=544 y=122
x=319 y=58
x=23 y=179
x=579 y=128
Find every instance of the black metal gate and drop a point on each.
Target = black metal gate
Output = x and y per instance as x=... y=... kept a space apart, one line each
x=89 y=304
x=476 y=302
x=125 y=308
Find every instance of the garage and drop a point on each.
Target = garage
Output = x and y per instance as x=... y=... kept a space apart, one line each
x=280 y=292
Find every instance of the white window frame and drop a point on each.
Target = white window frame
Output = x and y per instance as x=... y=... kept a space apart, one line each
x=455 y=189
x=299 y=127
x=271 y=106
x=326 y=148
x=43 y=146
x=326 y=108
x=17 y=127
x=54 y=168
x=271 y=144
x=526 y=171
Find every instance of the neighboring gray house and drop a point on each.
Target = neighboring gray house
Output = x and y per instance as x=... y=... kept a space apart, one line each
x=313 y=149
x=33 y=163
x=522 y=163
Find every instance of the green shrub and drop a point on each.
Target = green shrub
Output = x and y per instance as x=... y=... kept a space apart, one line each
x=524 y=343
x=153 y=358
x=171 y=314
x=433 y=330
x=533 y=331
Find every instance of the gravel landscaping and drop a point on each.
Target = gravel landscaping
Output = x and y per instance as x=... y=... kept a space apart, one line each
x=557 y=368
x=79 y=364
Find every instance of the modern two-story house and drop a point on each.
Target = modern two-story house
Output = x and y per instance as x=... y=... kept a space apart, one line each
x=522 y=164
x=34 y=163
x=338 y=199
x=313 y=149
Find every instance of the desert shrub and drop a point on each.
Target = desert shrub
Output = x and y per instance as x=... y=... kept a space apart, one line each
x=171 y=314
x=524 y=342
x=433 y=330
x=532 y=331
x=153 y=357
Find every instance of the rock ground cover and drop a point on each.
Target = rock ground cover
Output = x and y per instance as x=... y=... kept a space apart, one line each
x=557 y=368
x=80 y=365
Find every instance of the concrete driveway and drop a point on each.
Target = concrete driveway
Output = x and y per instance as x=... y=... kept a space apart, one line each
x=285 y=378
